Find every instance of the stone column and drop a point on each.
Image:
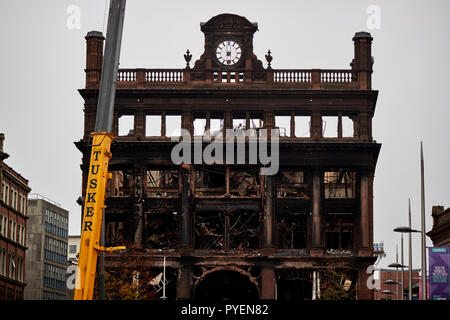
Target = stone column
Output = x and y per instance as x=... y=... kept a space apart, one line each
x=364 y=293
x=269 y=216
x=364 y=122
x=316 y=126
x=187 y=122
x=364 y=232
x=186 y=214
x=317 y=245
x=139 y=126
x=267 y=283
x=184 y=281
x=138 y=205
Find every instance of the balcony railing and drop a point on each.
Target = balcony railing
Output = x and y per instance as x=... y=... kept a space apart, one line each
x=313 y=78
x=291 y=76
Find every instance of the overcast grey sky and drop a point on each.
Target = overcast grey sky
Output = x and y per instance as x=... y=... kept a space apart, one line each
x=42 y=65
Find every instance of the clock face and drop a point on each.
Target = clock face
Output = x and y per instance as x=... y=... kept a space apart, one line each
x=228 y=53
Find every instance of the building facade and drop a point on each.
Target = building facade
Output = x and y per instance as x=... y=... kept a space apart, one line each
x=47 y=255
x=227 y=228
x=13 y=226
x=440 y=232
x=73 y=248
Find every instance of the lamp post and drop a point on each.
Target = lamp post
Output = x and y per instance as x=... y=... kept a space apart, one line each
x=407 y=230
x=410 y=252
x=388 y=292
x=402 y=230
x=396 y=265
x=389 y=282
x=424 y=252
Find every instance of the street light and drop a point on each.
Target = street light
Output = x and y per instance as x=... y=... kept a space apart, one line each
x=389 y=281
x=401 y=230
x=397 y=265
x=388 y=292
x=409 y=231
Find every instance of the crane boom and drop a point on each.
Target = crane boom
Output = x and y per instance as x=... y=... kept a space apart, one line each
x=100 y=156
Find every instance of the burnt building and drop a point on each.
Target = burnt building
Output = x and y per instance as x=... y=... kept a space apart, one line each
x=226 y=229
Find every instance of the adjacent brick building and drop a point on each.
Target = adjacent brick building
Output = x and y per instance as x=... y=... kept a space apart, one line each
x=13 y=225
x=395 y=276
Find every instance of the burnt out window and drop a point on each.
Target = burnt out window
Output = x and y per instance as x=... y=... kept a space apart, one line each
x=244 y=230
x=126 y=125
x=339 y=230
x=284 y=124
x=210 y=181
x=302 y=126
x=292 y=184
x=199 y=126
x=347 y=127
x=244 y=182
x=330 y=126
x=291 y=230
x=238 y=230
x=153 y=125
x=119 y=184
x=173 y=125
x=162 y=183
x=161 y=230
x=340 y=184
x=294 y=284
x=210 y=230
x=115 y=233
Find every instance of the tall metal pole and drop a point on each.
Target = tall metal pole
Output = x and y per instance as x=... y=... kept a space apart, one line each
x=403 y=278
x=410 y=252
x=424 y=253
x=107 y=93
x=396 y=269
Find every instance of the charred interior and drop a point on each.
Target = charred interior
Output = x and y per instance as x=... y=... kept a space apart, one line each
x=223 y=225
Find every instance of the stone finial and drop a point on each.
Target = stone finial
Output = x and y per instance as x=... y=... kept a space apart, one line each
x=188 y=57
x=269 y=59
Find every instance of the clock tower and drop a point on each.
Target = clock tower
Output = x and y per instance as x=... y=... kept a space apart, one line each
x=228 y=51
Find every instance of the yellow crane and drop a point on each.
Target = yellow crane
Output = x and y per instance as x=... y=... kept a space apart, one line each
x=102 y=137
